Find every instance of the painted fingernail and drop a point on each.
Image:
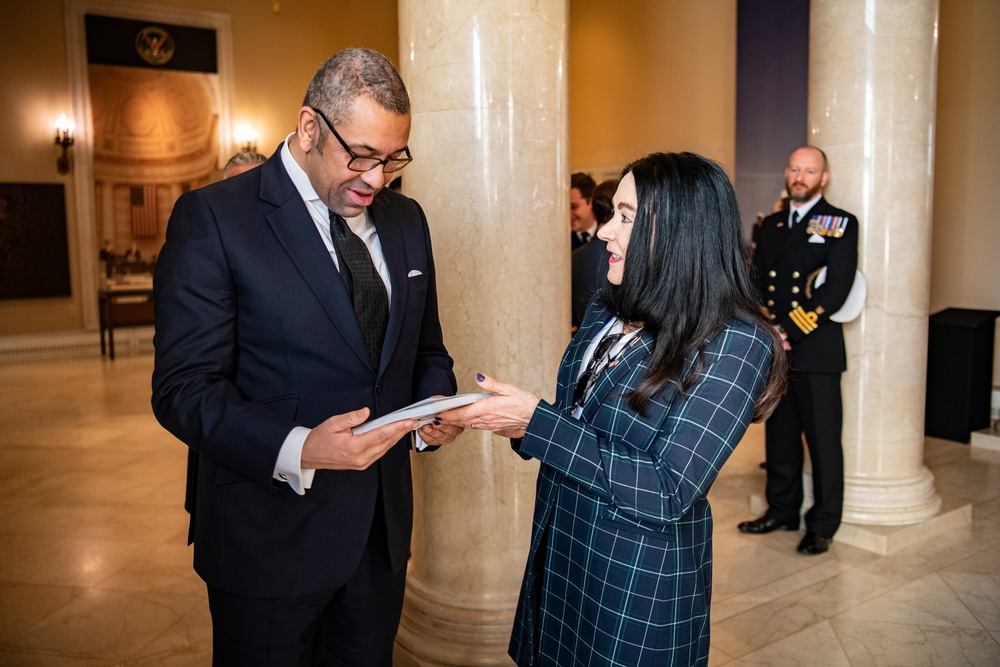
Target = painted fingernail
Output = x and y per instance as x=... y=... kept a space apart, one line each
x=480 y=377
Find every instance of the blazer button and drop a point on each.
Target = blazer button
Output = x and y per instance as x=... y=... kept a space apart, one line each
x=770 y=288
x=795 y=274
x=772 y=273
x=795 y=289
x=795 y=304
x=378 y=388
x=770 y=302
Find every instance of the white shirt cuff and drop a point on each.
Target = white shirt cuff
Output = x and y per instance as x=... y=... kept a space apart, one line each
x=289 y=465
x=418 y=442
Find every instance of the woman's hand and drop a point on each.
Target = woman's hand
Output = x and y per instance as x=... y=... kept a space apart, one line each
x=507 y=414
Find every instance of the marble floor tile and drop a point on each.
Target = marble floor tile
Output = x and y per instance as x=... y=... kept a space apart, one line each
x=104 y=624
x=23 y=605
x=816 y=646
x=980 y=593
x=929 y=601
x=74 y=562
x=188 y=643
x=23 y=659
x=14 y=548
x=877 y=644
x=165 y=569
x=784 y=616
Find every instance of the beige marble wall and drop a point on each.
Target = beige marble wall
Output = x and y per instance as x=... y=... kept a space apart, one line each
x=872 y=109
x=488 y=87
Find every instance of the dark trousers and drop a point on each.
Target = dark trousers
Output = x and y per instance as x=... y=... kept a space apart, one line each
x=354 y=625
x=812 y=405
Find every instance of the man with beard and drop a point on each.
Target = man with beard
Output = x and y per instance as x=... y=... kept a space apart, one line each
x=793 y=247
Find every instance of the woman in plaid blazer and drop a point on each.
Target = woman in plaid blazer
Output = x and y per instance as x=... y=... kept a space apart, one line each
x=672 y=362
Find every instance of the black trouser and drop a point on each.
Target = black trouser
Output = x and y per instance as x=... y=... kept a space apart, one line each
x=353 y=625
x=812 y=405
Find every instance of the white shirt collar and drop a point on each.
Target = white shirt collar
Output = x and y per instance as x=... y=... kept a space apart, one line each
x=358 y=224
x=803 y=209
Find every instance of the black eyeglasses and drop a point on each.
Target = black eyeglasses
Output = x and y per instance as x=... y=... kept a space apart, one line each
x=588 y=378
x=361 y=163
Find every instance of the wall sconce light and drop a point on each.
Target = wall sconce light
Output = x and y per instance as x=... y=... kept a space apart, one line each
x=64 y=138
x=246 y=137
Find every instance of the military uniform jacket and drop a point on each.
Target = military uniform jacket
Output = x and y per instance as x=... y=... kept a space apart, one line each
x=620 y=565
x=786 y=263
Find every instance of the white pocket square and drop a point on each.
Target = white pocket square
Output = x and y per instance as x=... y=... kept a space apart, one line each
x=414 y=273
x=816 y=238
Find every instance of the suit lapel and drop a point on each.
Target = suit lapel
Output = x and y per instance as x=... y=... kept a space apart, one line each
x=569 y=369
x=294 y=228
x=394 y=253
x=614 y=376
x=797 y=236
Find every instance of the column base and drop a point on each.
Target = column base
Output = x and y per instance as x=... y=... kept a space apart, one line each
x=986 y=440
x=890 y=502
x=885 y=540
x=435 y=632
x=875 y=502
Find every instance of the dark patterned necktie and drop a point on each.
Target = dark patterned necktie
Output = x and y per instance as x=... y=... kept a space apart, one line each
x=363 y=283
x=584 y=237
x=795 y=219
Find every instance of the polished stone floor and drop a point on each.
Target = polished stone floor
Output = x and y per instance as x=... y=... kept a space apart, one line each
x=94 y=569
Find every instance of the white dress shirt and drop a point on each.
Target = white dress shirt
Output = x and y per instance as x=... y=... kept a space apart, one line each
x=288 y=467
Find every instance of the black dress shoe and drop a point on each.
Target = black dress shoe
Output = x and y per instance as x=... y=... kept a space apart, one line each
x=763 y=525
x=813 y=543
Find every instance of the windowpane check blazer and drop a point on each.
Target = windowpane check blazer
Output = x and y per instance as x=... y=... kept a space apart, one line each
x=619 y=570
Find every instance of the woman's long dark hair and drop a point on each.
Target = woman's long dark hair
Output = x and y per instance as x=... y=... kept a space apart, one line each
x=686 y=272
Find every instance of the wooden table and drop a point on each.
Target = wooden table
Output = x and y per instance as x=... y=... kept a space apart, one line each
x=123 y=305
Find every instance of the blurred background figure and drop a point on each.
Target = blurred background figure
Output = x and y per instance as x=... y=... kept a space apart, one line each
x=582 y=223
x=590 y=261
x=243 y=161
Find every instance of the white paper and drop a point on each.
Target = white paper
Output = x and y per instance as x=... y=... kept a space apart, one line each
x=424 y=411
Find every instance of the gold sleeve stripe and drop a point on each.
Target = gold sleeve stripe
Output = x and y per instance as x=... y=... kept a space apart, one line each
x=803 y=320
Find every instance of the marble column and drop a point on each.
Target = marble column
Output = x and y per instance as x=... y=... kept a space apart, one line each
x=872 y=94
x=488 y=86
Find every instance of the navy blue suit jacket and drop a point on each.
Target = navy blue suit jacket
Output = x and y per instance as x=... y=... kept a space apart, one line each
x=255 y=334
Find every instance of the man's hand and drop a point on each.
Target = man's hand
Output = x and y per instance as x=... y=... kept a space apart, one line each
x=784 y=337
x=332 y=446
x=439 y=434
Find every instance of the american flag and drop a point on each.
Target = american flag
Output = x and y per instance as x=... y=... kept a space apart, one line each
x=144 y=224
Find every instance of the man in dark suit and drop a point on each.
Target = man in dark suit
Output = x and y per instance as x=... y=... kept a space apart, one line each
x=589 y=262
x=793 y=246
x=582 y=222
x=296 y=291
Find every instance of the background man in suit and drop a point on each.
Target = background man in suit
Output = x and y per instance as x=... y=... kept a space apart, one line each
x=241 y=162
x=302 y=529
x=590 y=261
x=582 y=222
x=792 y=248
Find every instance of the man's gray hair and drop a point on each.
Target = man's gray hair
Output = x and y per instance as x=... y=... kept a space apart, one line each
x=353 y=73
x=241 y=158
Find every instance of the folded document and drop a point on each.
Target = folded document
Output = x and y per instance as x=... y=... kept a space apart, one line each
x=424 y=411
